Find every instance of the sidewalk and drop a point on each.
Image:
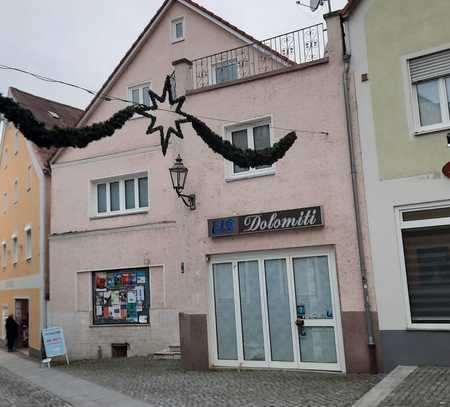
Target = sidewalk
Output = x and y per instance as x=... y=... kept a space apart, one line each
x=410 y=386
x=72 y=391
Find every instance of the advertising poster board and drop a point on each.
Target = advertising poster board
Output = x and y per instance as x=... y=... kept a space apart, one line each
x=121 y=297
x=54 y=343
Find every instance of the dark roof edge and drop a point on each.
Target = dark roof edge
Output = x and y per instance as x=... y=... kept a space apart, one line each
x=158 y=13
x=350 y=8
x=12 y=88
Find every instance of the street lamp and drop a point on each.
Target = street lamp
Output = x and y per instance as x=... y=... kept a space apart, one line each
x=178 y=175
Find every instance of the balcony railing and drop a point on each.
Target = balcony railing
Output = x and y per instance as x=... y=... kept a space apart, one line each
x=287 y=50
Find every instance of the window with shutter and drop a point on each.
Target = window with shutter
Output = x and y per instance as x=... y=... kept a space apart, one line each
x=426 y=251
x=430 y=81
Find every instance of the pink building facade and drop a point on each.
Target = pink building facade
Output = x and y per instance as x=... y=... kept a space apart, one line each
x=127 y=256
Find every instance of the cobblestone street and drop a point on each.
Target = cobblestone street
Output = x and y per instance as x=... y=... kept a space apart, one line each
x=17 y=392
x=163 y=383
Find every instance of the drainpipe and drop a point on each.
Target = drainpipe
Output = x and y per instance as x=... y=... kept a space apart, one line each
x=359 y=234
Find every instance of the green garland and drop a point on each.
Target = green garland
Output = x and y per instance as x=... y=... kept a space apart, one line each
x=243 y=158
x=36 y=132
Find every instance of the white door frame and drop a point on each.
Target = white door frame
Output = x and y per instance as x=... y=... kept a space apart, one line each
x=260 y=256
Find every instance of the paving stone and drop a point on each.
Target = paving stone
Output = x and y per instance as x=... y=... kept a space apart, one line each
x=17 y=392
x=164 y=383
x=425 y=387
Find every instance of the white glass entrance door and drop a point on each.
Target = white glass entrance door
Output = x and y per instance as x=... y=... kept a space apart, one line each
x=276 y=309
x=315 y=316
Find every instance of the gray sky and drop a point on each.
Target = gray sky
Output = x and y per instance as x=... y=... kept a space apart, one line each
x=81 y=41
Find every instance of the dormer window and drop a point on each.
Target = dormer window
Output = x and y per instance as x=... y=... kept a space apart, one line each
x=177 y=29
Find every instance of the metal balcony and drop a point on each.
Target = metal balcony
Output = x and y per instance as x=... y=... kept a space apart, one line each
x=276 y=53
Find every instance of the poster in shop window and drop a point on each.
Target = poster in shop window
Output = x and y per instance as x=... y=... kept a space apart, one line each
x=121 y=297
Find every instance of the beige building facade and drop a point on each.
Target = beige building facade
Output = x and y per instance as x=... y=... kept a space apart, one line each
x=25 y=220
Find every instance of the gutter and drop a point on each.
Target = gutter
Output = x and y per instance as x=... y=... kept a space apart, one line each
x=362 y=259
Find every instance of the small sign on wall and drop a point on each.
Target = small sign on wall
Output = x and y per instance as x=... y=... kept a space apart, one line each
x=301 y=218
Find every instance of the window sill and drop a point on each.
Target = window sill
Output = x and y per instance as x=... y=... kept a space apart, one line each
x=428 y=327
x=137 y=116
x=431 y=130
x=174 y=41
x=114 y=215
x=119 y=325
x=233 y=178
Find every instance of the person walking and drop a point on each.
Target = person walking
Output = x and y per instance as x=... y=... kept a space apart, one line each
x=12 y=333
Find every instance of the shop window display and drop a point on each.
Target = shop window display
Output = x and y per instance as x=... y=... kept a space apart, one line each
x=121 y=297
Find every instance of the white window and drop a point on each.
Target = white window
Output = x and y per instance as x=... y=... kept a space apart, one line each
x=16 y=142
x=255 y=136
x=177 y=29
x=4 y=254
x=122 y=195
x=28 y=178
x=28 y=243
x=5 y=201
x=5 y=159
x=430 y=79
x=16 y=191
x=139 y=94
x=425 y=240
x=224 y=72
x=15 y=249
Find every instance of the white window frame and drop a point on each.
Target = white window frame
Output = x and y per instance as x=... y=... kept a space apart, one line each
x=5 y=159
x=415 y=127
x=4 y=254
x=28 y=243
x=173 y=31
x=140 y=86
x=15 y=249
x=5 y=202
x=230 y=175
x=16 y=191
x=261 y=256
x=16 y=142
x=28 y=178
x=121 y=180
x=215 y=65
x=417 y=224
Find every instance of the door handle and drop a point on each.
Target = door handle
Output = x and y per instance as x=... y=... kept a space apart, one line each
x=300 y=321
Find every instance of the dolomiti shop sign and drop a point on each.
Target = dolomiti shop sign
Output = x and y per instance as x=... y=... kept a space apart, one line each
x=275 y=221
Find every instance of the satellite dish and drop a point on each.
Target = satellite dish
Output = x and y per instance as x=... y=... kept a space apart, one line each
x=314 y=4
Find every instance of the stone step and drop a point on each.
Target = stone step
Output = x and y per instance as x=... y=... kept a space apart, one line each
x=166 y=355
x=175 y=348
x=172 y=352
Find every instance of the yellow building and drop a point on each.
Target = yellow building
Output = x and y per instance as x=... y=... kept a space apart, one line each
x=25 y=219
